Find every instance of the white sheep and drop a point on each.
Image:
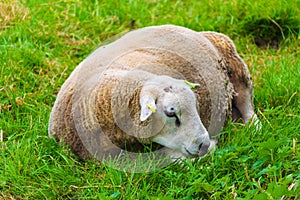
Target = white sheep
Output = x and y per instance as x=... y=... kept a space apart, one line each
x=138 y=91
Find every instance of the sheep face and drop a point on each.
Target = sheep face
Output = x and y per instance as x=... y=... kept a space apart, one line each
x=173 y=102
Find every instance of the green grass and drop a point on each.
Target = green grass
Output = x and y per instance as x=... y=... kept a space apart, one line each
x=41 y=42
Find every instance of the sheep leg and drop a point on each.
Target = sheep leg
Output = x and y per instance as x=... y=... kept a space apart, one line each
x=243 y=106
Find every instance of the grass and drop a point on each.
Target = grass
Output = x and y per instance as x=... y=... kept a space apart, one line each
x=41 y=42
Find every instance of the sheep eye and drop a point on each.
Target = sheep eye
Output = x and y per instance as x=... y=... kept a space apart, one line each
x=173 y=114
x=170 y=114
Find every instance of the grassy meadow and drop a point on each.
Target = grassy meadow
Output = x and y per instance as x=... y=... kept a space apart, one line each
x=42 y=41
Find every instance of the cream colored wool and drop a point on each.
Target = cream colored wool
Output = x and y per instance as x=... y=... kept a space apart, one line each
x=107 y=77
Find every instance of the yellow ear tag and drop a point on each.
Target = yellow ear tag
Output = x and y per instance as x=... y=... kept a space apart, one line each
x=192 y=85
x=150 y=107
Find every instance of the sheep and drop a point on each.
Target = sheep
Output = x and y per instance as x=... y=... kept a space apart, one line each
x=165 y=86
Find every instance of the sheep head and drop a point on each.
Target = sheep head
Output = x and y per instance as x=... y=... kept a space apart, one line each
x=173 y=102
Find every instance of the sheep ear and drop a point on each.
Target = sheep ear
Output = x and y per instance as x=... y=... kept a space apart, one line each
x=148 y=107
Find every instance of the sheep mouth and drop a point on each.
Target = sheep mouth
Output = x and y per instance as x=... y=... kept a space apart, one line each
x=203 y=150
x=189 y=154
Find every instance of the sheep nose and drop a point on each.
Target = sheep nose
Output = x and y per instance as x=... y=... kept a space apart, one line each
x=203 y=148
